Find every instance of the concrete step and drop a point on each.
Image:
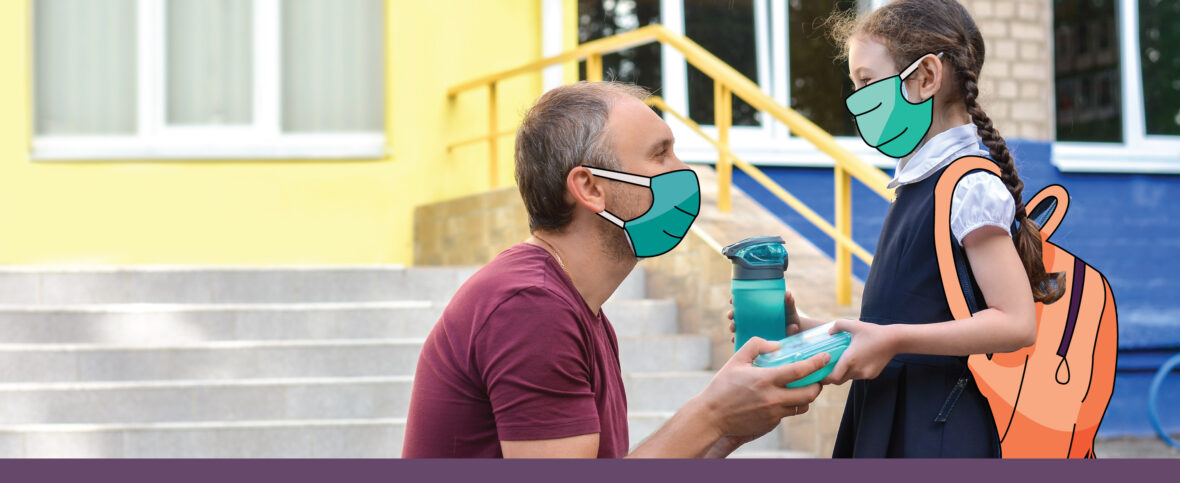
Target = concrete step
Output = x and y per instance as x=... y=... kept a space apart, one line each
x=663 y=391
x=186 y=285
x=209 y=360
x=664 y=353
x=298 y=358
x=205 y=400
x=153 y=324
x=634 y=287
x=164 y=284
x=333 y=438
x=278 y=398
x=642 y=316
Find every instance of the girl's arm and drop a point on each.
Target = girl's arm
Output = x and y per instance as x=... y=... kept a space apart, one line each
x=1007 y=325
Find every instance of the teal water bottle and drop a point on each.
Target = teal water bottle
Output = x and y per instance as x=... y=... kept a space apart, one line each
x=758 y=288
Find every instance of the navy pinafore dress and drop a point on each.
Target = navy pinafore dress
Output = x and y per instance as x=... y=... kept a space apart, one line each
x=920 y=406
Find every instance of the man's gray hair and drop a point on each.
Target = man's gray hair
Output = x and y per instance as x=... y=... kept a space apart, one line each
x=566 y=128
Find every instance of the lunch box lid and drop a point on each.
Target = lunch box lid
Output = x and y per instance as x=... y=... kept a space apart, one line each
x=804 y=345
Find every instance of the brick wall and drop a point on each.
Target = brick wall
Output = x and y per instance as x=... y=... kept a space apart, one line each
x=1016 y=86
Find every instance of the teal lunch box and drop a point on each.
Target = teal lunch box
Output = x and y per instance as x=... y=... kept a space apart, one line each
x=802 y=346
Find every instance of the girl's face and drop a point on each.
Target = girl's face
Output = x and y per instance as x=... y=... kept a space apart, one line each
x=869 y=61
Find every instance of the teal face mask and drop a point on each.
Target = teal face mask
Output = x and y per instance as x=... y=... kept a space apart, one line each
x=675 y=203
x=886 y=119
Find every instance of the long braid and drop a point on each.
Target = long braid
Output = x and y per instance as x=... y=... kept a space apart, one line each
x=995 y=143
x=1028 y=239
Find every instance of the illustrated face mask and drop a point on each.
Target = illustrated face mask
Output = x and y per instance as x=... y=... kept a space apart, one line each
x=886 y=119
x=675 y=203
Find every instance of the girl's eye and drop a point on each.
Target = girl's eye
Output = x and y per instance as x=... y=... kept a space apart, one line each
x=865 y=81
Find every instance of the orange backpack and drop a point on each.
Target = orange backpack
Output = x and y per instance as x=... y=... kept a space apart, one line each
x=1047 y=399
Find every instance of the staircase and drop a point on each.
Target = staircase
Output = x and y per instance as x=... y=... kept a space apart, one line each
x=283 y=362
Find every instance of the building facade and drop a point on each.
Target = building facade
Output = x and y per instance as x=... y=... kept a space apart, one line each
x=305 y=132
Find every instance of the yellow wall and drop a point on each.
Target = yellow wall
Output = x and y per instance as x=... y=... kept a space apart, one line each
x=275 y=212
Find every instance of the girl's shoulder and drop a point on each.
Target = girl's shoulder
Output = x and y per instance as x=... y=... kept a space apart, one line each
x=981 y=199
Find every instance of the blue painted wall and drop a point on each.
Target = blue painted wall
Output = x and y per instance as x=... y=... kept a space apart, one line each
x=1125 y=225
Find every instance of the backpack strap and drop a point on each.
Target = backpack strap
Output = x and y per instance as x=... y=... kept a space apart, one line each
x=1047 y=208
x=956 y=280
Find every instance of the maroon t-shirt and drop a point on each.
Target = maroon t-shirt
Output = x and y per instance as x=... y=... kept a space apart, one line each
x=516 y=356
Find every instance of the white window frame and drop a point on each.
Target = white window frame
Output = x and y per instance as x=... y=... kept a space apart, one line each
x=261 y=139
x=1139 y=152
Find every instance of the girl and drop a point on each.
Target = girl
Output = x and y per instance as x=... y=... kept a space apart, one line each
x=915 y=65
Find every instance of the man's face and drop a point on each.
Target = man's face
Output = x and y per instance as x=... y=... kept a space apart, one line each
x=643 y=145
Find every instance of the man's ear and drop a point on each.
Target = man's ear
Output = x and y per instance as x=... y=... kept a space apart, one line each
x=928 y=77
x=586 y=189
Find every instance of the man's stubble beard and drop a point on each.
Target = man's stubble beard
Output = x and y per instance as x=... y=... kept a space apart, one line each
x=612 y=239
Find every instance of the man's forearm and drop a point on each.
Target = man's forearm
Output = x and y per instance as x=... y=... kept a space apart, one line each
x=690 y=433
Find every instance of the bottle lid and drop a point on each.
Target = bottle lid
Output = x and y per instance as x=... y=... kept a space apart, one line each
x=758 y=258
x=804 y=345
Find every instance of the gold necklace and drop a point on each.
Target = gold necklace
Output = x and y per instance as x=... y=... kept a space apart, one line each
x=555 y=255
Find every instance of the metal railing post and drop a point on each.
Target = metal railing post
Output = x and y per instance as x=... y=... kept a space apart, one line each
x=594 y=68
x=844 y=226
x=493 y=145
x=723 y=118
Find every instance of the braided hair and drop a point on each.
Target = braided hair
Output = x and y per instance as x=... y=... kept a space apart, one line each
x=910 y=29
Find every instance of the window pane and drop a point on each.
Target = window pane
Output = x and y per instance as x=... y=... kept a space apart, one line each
x=1159 y=44
x=84 y=67
x=333 y=65
x=210 y=62
x=819 y=84
x=639 y=65
x=1089 y=92
x=725 y=28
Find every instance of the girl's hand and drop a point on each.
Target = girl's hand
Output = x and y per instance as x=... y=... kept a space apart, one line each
x=793 y=321
x=872 y=347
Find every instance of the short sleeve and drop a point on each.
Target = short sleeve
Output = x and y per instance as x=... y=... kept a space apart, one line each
x=533 y=359
x=981 y=199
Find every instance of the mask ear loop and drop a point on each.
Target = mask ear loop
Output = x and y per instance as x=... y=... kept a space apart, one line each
x=611 y=218
x=910 y=70
x=914 y=66
x=620 y=176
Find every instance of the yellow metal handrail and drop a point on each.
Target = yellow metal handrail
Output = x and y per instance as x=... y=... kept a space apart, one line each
x=727 y=83
x=769 y=184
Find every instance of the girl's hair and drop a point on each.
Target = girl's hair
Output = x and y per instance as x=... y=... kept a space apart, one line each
x=910 y=29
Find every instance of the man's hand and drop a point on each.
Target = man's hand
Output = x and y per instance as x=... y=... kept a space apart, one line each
x=743 y=400
x=795 y=323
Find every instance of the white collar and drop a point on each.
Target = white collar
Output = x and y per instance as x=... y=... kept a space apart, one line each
x=936 y=153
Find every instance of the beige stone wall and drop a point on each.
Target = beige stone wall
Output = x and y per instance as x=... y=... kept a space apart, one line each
x=1016 y=86
x=471 y=230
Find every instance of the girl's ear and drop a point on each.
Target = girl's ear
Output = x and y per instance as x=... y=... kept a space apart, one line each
x=927 y=78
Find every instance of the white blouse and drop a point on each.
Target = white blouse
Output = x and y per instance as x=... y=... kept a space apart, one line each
x=979 y=200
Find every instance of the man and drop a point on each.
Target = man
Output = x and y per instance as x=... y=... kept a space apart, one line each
x=523 y=363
